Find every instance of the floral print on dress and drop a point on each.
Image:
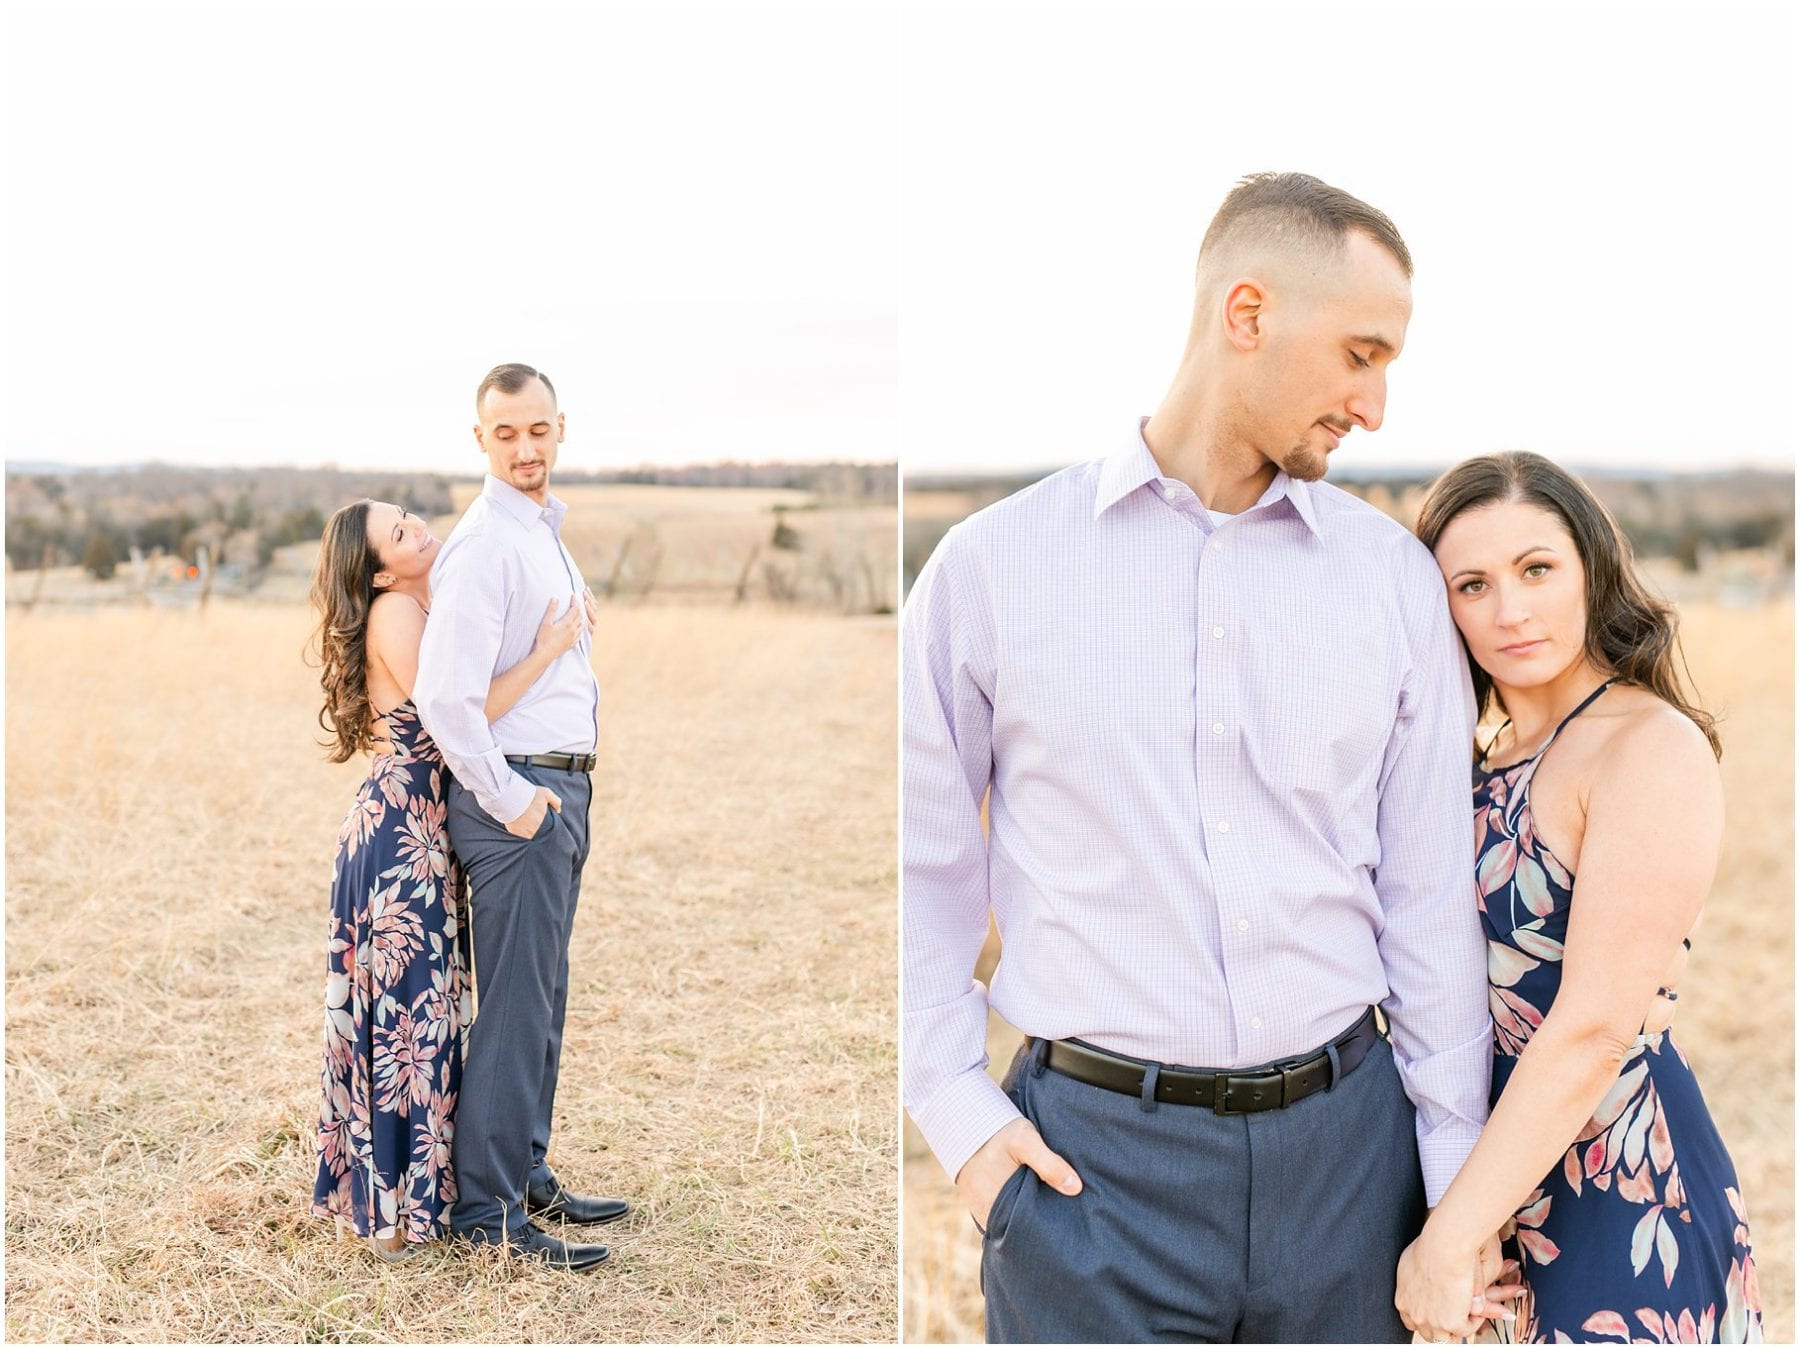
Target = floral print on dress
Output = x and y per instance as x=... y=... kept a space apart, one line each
x=395 y=1000
x=1639 y=1234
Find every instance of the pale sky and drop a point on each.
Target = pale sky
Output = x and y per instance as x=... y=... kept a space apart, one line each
x=297 y=234
x=1599 y=200
x=963 y=235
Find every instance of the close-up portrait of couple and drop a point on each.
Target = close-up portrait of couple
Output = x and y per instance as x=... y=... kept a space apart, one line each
x=894 y=673
x=1347 y=841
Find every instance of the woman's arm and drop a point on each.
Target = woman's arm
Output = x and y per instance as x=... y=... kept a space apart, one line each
x=555 y=636
x=1655 y=818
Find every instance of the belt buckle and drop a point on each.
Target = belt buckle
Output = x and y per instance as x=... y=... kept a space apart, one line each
x=1252 y=1089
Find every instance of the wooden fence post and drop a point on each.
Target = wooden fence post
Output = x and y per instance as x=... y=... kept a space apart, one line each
x=743 y=580
x=612 y=578
x=206 y=572
x=37 y=590
x=140 y=568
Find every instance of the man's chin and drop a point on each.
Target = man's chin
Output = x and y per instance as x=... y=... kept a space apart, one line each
x=1304 y=464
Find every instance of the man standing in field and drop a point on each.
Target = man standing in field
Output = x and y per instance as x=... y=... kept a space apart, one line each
x=518 y=815
x=1222 y=722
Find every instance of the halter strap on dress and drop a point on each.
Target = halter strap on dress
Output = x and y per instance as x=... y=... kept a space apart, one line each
x=1580 y=707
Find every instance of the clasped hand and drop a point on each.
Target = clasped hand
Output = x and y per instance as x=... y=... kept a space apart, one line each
x=1445 y=1294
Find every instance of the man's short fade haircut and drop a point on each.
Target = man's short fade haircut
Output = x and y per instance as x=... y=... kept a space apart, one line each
x=510 y=378
x=1299 y=208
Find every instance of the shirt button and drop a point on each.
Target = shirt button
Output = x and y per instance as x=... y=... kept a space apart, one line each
x=1243 y=925
x=1218 y=728
x=1217 y=544
x=1256 y=1023
x=1224 y=826
x=1218 y=632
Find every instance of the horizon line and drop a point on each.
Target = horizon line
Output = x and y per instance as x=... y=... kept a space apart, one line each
x=59 y=466
x=1383 y=470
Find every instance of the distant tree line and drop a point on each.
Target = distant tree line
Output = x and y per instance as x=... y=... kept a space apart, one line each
x=1679 y=516
x=97 y=518
x=101 y=543
x=877 y=482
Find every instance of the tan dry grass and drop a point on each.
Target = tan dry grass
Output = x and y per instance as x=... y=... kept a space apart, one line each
x=729 y=1059
x=1737 y=1000
x=655 y=543
x=695 y=542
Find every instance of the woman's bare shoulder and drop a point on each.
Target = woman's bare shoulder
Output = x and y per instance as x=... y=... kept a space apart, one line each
x=1645 y=742
x=389 y=607
x=394 y=619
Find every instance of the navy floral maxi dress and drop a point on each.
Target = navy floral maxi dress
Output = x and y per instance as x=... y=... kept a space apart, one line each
x=394 y=1000
x=1639 y=1234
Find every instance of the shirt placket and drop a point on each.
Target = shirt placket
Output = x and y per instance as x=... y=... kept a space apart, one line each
x=586 y=644
x=1222 y=826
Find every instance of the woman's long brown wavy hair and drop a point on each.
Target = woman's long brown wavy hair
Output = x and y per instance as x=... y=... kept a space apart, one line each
x=1630 y=632
x=343 y=588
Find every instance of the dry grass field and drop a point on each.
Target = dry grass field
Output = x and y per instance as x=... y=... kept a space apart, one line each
x=636 y=543
x=1737 y=1001
x=701 y=543
x=729 y=1062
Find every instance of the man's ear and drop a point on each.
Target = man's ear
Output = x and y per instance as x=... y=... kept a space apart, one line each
x=478 y=440
x=1243 y=313
x=559 y=428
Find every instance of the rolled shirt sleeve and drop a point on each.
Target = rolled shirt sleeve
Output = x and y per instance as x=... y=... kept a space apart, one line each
x=1431 y=942
x=457 y=663
x=947 y=725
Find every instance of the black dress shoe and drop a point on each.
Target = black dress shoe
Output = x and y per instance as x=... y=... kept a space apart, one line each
x=531 y=1243
x=583 y=1210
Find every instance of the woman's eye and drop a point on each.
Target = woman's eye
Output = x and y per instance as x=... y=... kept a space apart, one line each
x=1537 y=568
x=1472 y=587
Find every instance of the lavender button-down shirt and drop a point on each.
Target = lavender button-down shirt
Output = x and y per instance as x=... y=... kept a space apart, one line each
x=1229 y=773
x=495 y=575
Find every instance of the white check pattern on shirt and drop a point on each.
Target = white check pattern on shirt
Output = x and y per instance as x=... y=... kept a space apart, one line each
x=493 y=578
x=1229 y=770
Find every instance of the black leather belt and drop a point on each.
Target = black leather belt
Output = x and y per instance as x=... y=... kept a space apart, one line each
x=1232 y=1092
x=568 y=763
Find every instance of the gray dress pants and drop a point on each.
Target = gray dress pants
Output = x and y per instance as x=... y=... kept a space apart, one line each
x=1282 y=1227
x=522 y=895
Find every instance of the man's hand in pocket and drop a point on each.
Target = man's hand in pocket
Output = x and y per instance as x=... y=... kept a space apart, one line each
x=1017 y=1144
x=526 y=826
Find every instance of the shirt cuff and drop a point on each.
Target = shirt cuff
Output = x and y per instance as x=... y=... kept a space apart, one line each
x=1442 y=1152
x=515 y=796
x=964 y=1113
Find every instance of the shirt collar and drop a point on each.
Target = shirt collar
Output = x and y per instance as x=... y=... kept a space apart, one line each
x=1132 y=465
x=1124 y=471
x=521 y=507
